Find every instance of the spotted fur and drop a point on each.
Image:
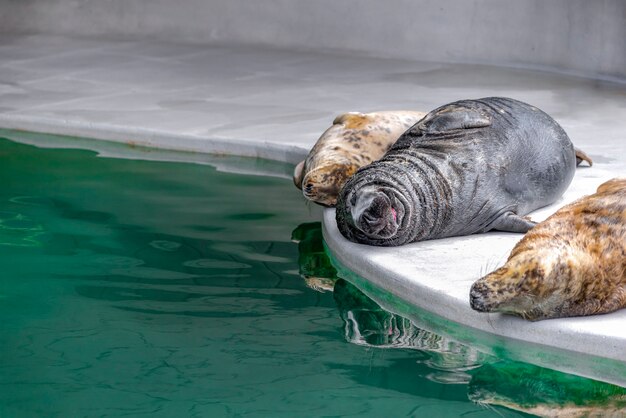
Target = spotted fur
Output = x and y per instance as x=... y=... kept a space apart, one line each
x=572 y=264
x=354 y=140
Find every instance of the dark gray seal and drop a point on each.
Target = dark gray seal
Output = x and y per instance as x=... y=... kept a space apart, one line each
x=467 y=167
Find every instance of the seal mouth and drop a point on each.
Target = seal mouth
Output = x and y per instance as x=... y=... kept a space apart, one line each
x=323 y=195
x=375 y=213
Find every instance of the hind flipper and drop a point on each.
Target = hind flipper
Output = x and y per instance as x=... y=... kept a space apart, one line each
x=510 y=222
x=581 y=156
x=298 y=174
x=344 y=117
x=453 y=117
x=612 y=186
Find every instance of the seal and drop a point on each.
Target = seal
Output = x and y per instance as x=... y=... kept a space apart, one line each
x=467 y=167
x=314 y=265
x=354 y=140
x=543 y=392
x=572 y=264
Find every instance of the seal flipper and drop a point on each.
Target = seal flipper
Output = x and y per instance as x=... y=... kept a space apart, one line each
x=581 y=156
x=510 y=222
x=453 y=117
x=350 y=116
x=298 y=174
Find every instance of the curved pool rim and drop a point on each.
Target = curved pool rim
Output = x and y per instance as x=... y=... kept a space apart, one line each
x=553 y=344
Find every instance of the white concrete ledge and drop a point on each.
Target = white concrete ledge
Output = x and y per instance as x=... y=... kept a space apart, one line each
x=154 y=138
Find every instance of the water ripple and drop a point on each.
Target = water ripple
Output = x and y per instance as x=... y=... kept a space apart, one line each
x=249 y=253
x=152 y=273
x=18 y=230
x=32 y=200
x=117 y=260
x=165 y=245
x=209 y=263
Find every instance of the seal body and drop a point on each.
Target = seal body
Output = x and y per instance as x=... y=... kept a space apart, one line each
x=544 y=392
x=467 y=167
x=572 y=264
x=354 y=140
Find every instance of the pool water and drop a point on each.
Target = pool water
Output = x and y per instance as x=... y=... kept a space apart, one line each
x=162 y=289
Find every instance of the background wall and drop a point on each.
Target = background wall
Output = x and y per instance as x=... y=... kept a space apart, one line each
x=576 y=36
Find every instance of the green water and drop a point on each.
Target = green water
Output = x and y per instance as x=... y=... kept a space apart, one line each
x=137 y=288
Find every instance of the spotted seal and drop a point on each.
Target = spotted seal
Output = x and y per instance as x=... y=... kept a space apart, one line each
x=467 y=167
x=354 y=140
x=543 y=392
x=572 y=264
x=314 y=265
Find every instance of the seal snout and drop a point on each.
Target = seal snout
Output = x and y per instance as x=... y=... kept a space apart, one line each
x=373 y=219
x=477 y=297
x=372 y=213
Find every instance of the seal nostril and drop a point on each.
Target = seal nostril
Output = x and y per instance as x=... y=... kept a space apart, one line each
x=308 y=187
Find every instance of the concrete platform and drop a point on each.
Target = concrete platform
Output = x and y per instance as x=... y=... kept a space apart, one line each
x=274 y=104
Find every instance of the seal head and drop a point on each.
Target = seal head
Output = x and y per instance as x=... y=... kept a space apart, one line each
x=322 y=184
x=529 y=286
x=376 y=212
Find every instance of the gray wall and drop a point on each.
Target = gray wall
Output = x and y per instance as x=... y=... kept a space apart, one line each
x=586 y=37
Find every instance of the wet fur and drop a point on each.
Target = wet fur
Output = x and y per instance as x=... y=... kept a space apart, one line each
x=572 y=264
x=354 y=140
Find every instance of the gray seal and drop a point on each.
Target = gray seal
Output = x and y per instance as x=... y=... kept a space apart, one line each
x=467 y=167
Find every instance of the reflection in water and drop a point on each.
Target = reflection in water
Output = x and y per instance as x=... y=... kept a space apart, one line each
x=315 y=266
x=368 y=324
x=545 y=392
x=491 y=381
x=518 y=386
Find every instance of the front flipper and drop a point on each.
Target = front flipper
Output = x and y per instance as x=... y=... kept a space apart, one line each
x=510 y=222
x=453 y=117
x=581 y=156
